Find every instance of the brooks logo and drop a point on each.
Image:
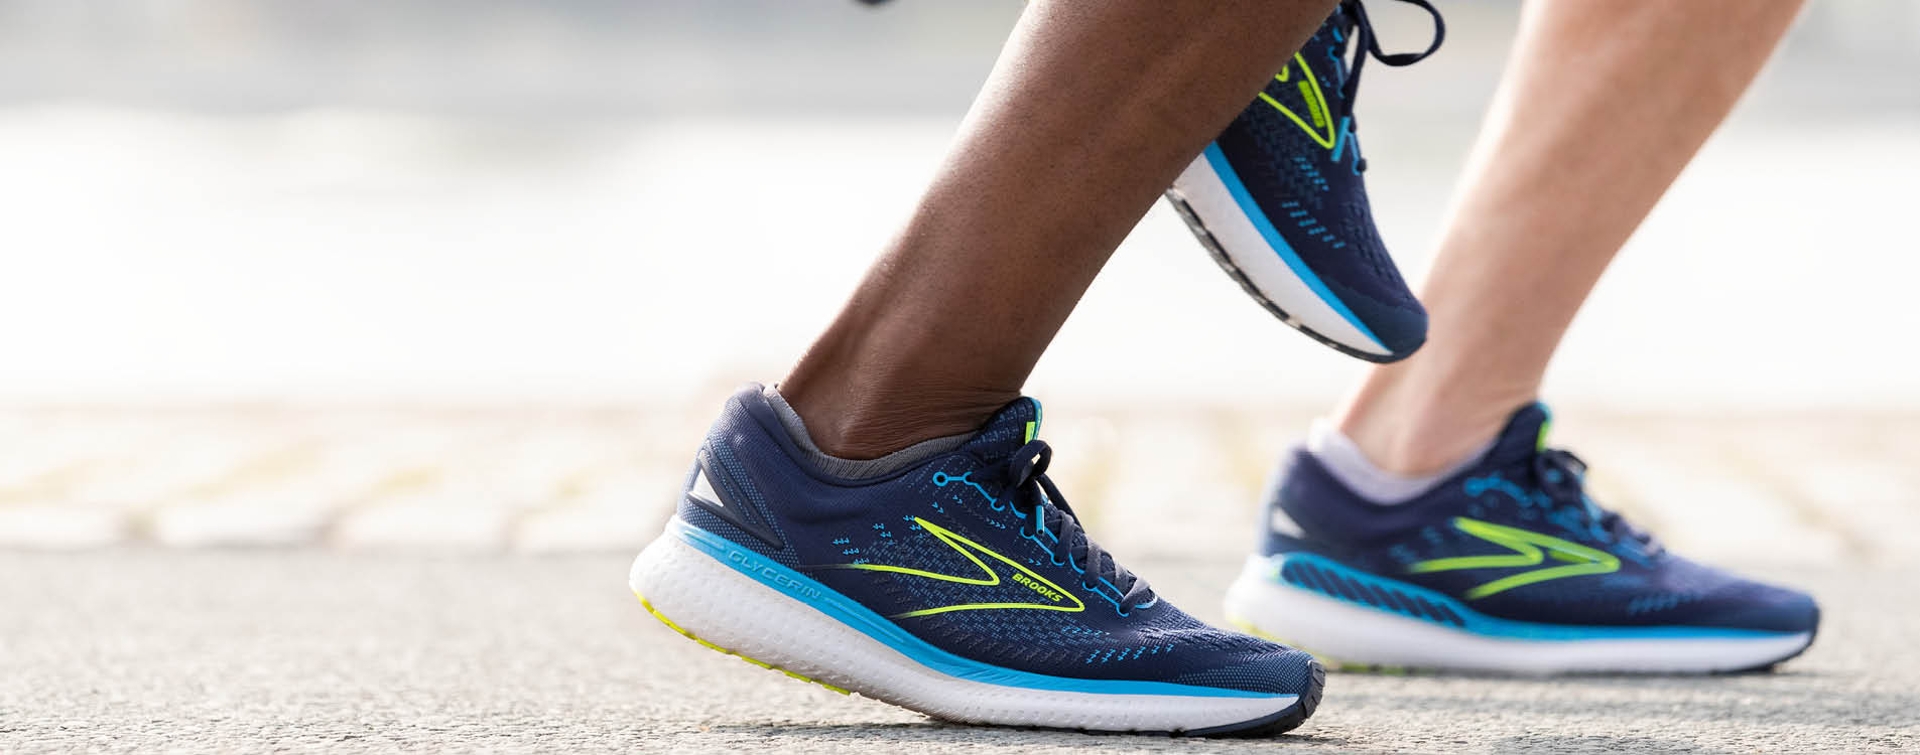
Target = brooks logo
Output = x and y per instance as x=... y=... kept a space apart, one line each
x=1044 y=590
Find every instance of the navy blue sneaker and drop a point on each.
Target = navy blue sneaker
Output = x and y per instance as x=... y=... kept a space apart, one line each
x=962 y=587
x=1507 y=566
x=1279 y=202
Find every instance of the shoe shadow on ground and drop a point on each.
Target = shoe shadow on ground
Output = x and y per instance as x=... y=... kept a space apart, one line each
x=1789 y=697
x=943 y=734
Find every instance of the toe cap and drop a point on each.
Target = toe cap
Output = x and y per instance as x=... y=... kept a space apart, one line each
x=1765 y=608
x=1278 y=670
x=1400 y=328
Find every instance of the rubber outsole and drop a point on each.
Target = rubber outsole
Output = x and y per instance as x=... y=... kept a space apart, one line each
x=1378 y=669
x=724 y=651
x=1279 y=723
x=1629 y=665
x=1284 y=719
x=1274 y=725
x=1219 y=255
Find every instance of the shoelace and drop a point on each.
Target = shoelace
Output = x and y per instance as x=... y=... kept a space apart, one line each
x=1026 y=474
x=1361 y=29
x=1563 y=476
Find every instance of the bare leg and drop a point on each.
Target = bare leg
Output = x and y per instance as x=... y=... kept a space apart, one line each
x=1604 y=103
x=1092 y=110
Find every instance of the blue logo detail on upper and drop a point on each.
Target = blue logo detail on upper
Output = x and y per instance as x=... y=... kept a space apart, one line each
x=1475 y=486
x=942 y=479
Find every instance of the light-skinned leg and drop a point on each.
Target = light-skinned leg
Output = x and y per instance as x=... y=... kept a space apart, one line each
x=1603 y=103
x=1436 y=531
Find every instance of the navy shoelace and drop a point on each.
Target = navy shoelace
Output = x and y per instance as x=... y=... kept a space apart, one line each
x=1562 y=475
x=1360 y=28
x=1054 y=521
x=1369 y=43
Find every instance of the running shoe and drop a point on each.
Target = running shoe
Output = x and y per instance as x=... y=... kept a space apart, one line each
x=1279 y=201
x=963 y=588
x=1507 y=566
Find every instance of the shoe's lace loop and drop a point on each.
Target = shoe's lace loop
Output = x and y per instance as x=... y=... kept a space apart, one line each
x=1560 y=472
x=1026 y=475
x=1369 y=43
x=1353 y=17
x=1562 y=476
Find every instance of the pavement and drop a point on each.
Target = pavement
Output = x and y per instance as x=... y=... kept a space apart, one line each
x=244 y=578
x=143 y=649
x=1157 y=478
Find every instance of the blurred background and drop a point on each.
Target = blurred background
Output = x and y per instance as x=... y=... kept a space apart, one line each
x=472 y=275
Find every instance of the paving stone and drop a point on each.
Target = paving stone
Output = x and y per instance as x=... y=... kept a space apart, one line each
x=1159 y=480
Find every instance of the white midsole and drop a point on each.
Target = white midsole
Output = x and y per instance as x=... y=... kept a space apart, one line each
x=722 y=606
x=1348 y=633
x=1209 y=199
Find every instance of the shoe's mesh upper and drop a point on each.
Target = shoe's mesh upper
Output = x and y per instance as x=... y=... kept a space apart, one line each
x=1649 y=587
x=1307 y=180
x=835 y=529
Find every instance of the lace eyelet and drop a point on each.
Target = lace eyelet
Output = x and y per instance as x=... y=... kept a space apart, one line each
x=1026 y=533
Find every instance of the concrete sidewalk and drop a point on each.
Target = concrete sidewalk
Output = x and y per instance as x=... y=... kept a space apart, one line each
x=138 y=649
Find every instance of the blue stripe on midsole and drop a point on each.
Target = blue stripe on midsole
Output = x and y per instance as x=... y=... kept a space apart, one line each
x=1222 y=169
x=1493 y=626
x=826 y=600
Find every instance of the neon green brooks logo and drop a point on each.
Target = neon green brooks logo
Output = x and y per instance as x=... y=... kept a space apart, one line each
x=1045 y=591
x=1057 y=598
x=1529 y=549
x=1317 y=123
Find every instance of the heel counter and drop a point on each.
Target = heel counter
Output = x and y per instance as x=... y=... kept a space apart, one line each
x=721 y=495
x=1280 y=530
x=681 y=504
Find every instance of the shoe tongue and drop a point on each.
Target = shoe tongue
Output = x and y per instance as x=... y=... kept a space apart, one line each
x=1013 y=426
x=1524 y=435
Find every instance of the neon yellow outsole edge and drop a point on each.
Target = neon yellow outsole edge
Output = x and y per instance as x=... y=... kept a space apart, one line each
x=716 y=648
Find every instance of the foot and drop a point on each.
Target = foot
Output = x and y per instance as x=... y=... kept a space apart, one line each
x=1506 y=566
x=1279 y=202
x=963 y=588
